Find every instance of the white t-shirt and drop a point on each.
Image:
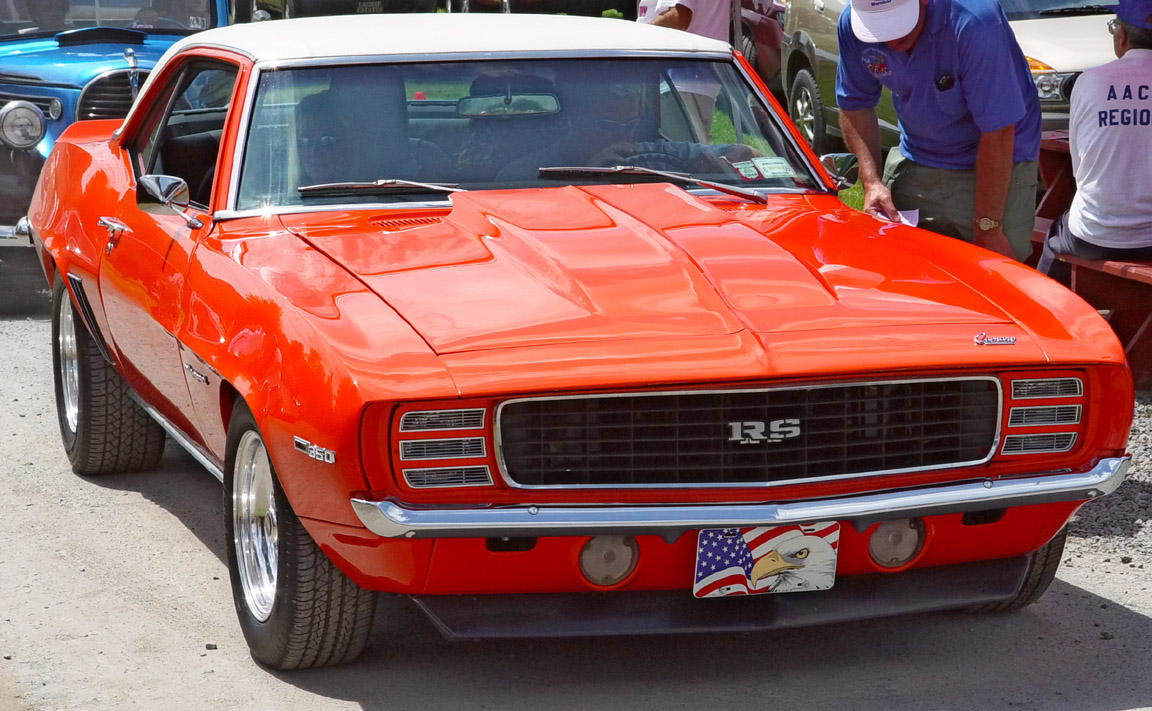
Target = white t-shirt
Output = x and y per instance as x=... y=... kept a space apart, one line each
x=1110 y=137
x=710 y=18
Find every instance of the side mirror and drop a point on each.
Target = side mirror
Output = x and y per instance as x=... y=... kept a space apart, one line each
x=844 y=167
x=169 y=191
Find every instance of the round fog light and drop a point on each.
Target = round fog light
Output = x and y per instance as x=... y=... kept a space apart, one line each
x=894 y=543
x=606 y=560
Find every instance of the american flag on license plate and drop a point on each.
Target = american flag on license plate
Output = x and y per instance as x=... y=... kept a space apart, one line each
x=743 y=561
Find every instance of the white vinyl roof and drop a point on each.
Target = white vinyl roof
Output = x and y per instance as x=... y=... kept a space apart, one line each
x=435 y=33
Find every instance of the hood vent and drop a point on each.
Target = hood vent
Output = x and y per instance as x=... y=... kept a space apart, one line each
x=391 y=224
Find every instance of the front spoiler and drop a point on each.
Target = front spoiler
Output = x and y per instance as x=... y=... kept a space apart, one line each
x=595 y=614
x=393 y=520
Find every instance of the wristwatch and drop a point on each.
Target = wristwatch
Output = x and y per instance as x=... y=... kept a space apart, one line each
x=987 y=223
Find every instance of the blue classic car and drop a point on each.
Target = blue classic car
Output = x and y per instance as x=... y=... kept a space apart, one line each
x=70 y=60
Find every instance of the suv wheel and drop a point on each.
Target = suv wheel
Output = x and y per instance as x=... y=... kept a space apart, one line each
x=806 y=111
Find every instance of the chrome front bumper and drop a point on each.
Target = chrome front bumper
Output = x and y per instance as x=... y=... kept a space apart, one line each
x=392 y=520
x=18 y=235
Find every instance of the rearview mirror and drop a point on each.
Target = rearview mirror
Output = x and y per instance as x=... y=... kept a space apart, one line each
x=508 y=105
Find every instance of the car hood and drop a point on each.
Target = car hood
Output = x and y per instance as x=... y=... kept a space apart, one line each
x=596 y=265
x=44 y=61
x=1067 y=44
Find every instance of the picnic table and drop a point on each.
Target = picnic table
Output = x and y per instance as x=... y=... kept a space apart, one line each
x=1121 y=290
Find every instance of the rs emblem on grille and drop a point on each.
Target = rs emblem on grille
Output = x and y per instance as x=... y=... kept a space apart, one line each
x=758 y=432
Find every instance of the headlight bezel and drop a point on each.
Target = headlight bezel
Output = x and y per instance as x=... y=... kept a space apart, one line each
x=31 y=115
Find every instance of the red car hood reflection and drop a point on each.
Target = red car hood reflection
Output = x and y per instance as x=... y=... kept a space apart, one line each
x=542 y=267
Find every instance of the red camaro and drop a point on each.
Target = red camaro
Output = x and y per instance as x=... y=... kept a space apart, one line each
x=554 y=325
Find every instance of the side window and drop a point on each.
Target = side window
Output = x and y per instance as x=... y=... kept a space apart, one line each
x=182 y=136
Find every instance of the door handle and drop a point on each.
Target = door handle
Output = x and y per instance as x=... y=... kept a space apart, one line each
x=115 y=229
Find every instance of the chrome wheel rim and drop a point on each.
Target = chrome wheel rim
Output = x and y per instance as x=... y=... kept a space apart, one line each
x=69 y=365
x=255 y=525
x=802 y=114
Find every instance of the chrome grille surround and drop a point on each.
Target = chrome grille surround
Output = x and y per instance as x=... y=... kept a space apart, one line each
x=437 y=477
x=442 y=420
x=1043 y=443
x=849 y=430
x=1044 y=415
x=459 y=448
x=108 y=96
x=1038 y=388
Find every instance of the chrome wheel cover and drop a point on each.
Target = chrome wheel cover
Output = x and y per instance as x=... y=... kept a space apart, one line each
x=69 y=364
x=255 y=530
x=802 y=114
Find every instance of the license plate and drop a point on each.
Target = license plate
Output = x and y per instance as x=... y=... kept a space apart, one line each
x=766 y=559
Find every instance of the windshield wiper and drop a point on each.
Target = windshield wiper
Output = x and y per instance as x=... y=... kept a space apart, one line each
x=389 y=186
x=561 y=172
x=1080 y=10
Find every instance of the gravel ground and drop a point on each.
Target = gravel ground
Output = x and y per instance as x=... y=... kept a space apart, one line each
x=1119 y=526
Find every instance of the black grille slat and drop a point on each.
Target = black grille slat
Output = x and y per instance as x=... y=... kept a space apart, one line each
x=683 y=438
x=108 y=96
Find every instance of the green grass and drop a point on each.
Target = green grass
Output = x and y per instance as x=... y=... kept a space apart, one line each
x=853 y=197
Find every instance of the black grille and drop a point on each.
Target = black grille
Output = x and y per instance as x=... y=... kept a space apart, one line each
x=107 y=96
x=713 y=438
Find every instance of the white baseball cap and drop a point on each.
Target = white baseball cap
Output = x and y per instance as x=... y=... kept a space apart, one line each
x=884 y=20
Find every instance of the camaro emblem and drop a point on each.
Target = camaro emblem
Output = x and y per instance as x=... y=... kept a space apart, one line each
x=313 y=450
x=758 y=431
x=983 y=339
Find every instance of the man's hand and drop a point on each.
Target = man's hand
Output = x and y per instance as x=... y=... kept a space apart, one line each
x=878 y=202
x=993 y=240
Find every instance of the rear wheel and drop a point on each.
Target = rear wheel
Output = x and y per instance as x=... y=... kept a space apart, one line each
x=104 y=430
x=807 y=112
x=296 y=608
x=1041 y=572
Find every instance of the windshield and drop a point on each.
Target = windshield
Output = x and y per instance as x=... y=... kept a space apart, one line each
x=1034 y=9
x=31 y=18
x=497 y=124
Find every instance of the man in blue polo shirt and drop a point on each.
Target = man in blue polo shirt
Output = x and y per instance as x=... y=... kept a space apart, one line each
x=968 y=110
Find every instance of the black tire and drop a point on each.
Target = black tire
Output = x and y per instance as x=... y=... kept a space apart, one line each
x=104 y=430
x=1041 y=571
x=296 y=608
x=807 y=112
x=748 y=48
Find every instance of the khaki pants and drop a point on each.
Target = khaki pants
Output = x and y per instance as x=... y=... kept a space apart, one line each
x=946 y=199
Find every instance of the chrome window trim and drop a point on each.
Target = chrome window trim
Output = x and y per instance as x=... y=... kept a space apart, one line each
x=230 y=211
x=482 y=410
x=1012 y=413
x=1012 y=385
x=482 y=455
x=993 y=448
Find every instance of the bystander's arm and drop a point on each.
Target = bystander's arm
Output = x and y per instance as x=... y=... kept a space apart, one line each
x=677 y=17
x=862 y=134
x=993 y=178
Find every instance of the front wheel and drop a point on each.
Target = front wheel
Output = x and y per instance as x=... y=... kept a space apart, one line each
x=1041 y=571
x=296 y=608
x=103 y=429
